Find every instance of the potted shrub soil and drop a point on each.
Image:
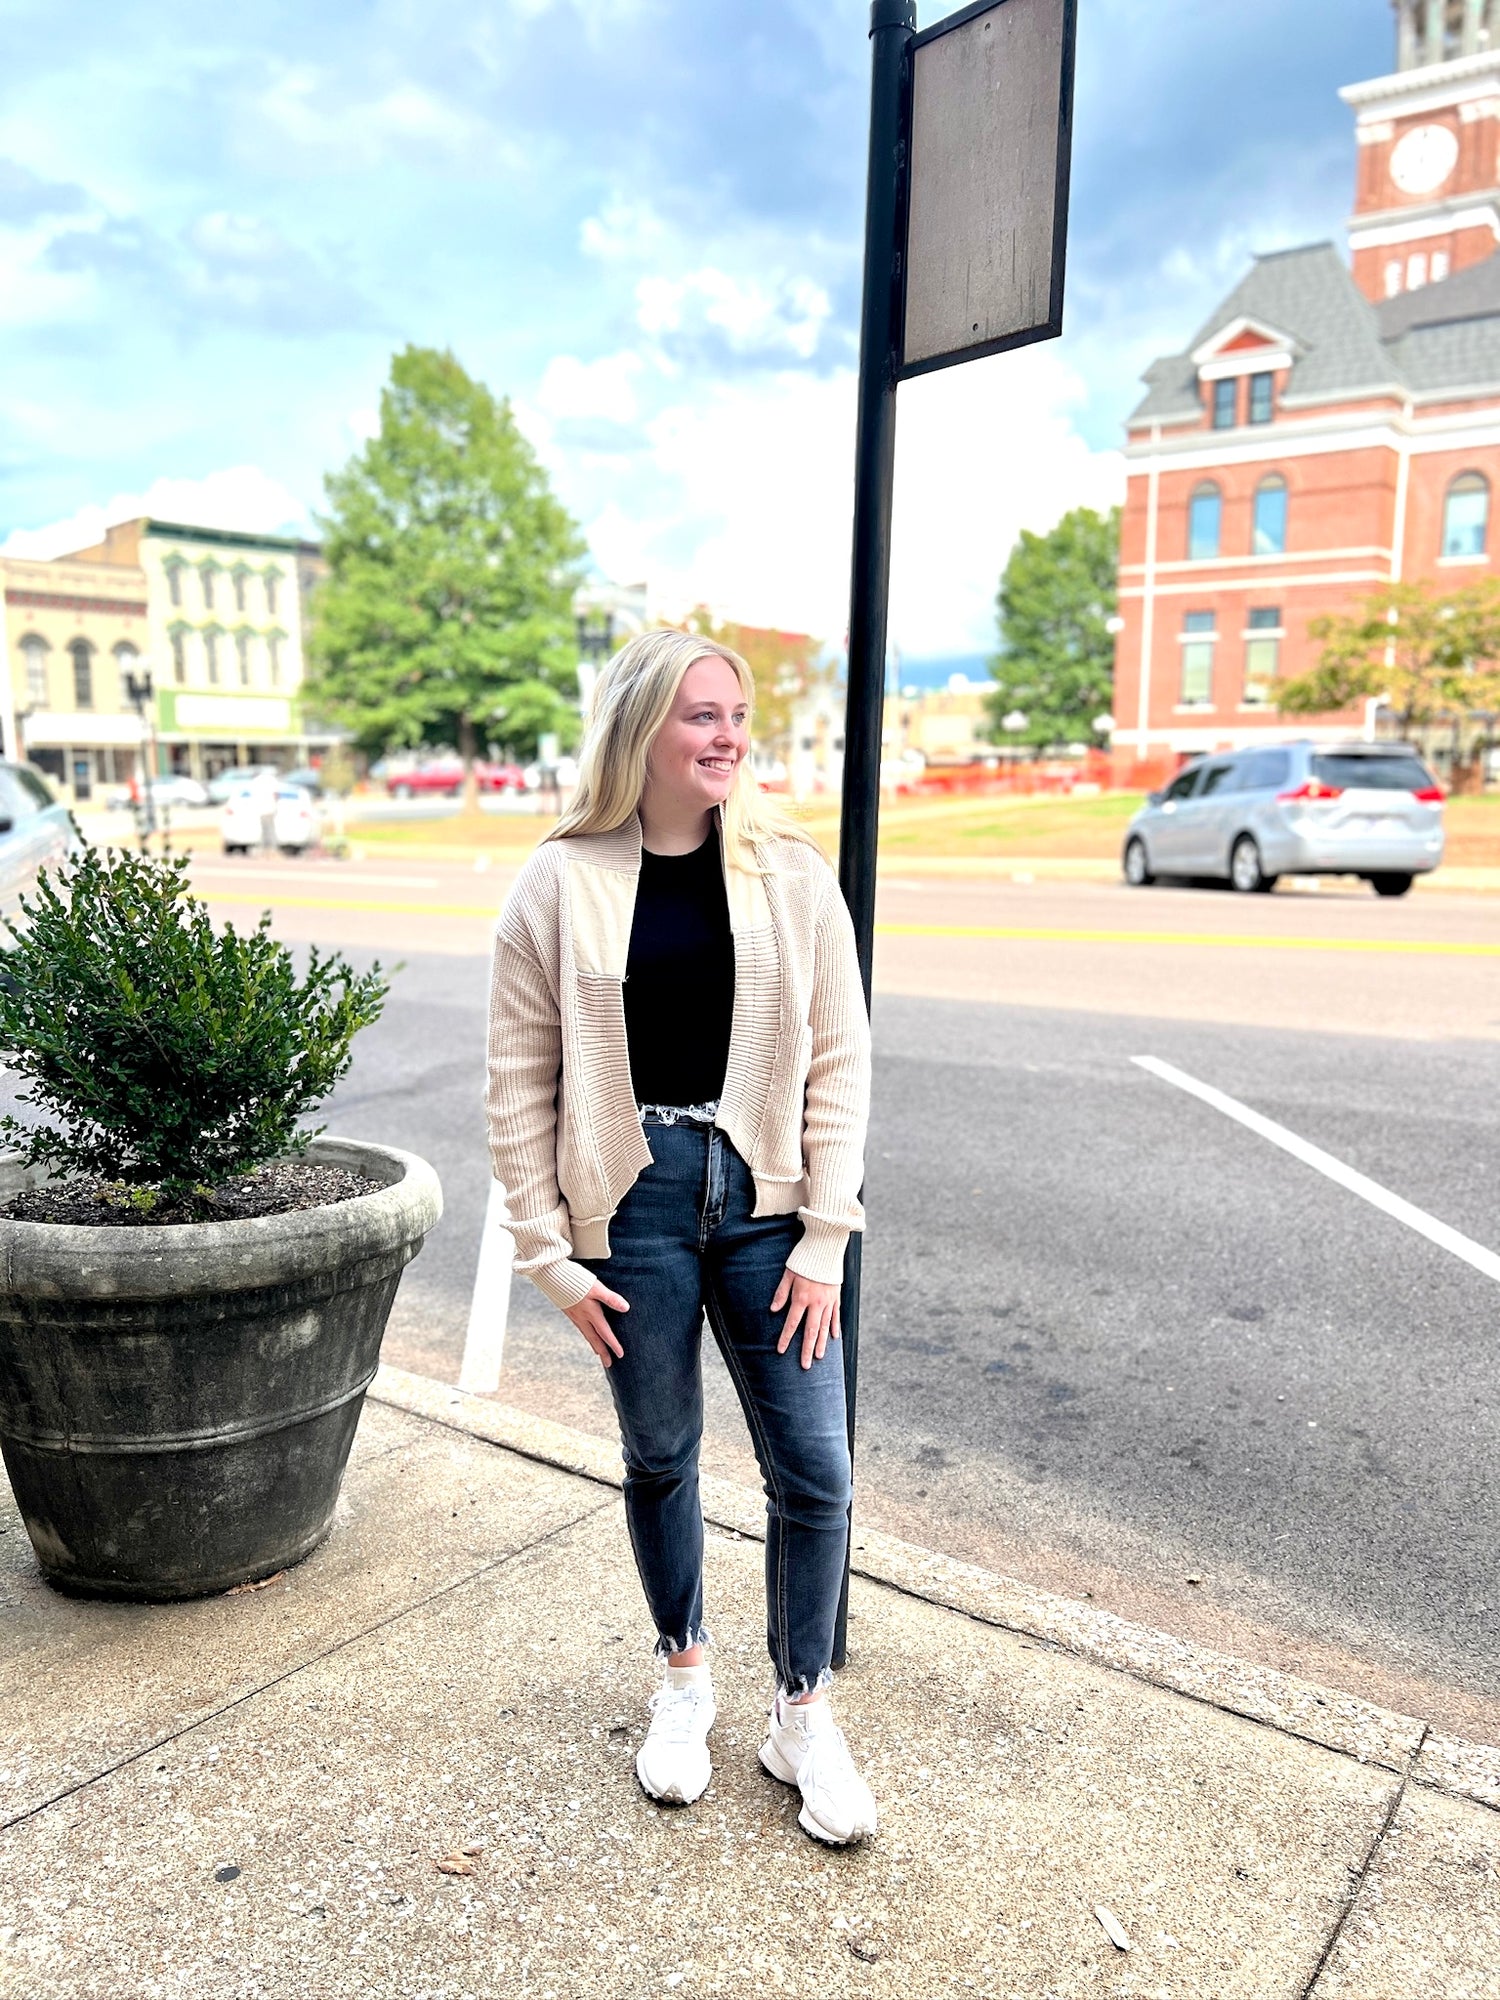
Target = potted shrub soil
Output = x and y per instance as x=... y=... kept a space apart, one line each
x=193 y=1289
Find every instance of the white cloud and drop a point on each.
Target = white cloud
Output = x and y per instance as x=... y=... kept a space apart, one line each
x=303 y=108
x=239 y=496
x=742 y=495
x=603 y=388
x=982 y=451
x=789 y=313
x=622 y=232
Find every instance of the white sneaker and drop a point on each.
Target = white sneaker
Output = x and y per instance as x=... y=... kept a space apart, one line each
x=673 y=1763
x=805 y=1747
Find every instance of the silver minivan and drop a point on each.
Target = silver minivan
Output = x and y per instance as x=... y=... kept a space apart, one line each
x=1249 y=816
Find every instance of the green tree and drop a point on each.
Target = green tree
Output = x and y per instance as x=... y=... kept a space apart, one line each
x=1056 y=660
x=446 y=613
x=1431 y=655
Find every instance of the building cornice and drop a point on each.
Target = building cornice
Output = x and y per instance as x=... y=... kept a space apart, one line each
x=225 y=537
x=1372 y=231
x=1437 y=85
x=1385 y=430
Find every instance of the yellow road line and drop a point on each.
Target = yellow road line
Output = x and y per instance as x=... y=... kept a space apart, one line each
x=1037 y=934
x=1004 y=933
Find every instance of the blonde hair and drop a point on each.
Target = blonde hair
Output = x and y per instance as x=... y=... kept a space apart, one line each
x=632 y=699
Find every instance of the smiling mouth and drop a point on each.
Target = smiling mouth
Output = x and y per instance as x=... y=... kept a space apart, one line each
x=716 y=763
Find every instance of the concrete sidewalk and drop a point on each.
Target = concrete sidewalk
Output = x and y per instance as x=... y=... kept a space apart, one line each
x=249 y=1796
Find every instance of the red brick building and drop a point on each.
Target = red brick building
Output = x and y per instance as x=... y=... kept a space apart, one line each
x=1331 y=427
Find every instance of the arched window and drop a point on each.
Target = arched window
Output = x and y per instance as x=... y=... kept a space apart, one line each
x=34 y=651
x=211 y=635
x=1205 y=511
x=242 y=652
x=178 y=636
x=1269 y=535
x=83 y=672
x=1466 y=515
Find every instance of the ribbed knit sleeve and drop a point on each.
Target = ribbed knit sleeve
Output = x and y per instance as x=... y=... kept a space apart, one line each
x=837 y=1098
x=524 y=1063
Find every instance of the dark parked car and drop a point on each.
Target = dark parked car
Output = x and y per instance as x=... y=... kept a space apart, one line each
x=35 y=833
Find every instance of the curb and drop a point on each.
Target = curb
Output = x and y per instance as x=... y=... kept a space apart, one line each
x=1343 y=1723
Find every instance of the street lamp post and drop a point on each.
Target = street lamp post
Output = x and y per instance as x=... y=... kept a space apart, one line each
x=596 y=641
x=139 y=693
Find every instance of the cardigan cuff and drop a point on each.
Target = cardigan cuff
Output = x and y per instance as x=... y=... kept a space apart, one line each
x=564 y=1282
x=820 y=1254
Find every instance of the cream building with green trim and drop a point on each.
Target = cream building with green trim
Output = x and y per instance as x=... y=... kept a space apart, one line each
x=227 y=619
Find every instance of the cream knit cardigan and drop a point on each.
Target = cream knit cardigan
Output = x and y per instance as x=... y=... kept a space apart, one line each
x=565 y=1137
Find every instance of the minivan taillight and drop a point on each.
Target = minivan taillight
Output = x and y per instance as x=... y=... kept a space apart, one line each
x=1430 y=795
x=1313 y=789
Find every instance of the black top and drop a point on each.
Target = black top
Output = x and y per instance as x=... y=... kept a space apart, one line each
x=679 y=979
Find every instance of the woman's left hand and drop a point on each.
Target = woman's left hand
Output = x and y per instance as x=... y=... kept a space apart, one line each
x=814 y=1307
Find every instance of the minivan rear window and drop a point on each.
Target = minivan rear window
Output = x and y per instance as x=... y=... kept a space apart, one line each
x=1373 y=774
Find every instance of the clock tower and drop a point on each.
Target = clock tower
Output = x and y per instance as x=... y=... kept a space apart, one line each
x=1427 y=193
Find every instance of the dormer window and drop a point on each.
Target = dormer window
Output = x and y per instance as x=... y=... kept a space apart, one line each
x=1262 y=388
x=1226 y=395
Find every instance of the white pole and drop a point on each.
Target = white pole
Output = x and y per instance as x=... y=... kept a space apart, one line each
x=484 y=1343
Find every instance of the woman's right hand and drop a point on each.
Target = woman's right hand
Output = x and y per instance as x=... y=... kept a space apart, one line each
x=588 y=1317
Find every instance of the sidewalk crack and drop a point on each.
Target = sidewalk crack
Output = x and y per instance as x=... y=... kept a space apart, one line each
x=313 y=1660
x=1357 y=1888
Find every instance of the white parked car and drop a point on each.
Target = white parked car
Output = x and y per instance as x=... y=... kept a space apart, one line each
x=292 y=811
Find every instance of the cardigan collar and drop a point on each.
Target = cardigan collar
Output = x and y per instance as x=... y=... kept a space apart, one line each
x=621 y=847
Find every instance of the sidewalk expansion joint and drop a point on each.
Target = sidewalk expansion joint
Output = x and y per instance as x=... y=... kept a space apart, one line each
x=1346 y=1725
x=313 y=1659
x=1357 y=1886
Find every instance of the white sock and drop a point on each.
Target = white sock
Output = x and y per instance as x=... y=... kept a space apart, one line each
x=688 y=1677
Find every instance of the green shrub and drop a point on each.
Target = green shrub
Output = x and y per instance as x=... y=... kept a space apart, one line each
x=168 y=1054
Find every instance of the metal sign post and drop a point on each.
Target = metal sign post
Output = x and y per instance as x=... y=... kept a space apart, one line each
x=966 y=213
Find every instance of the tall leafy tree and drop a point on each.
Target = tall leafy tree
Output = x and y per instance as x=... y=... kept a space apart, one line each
x=1056 y=660
x=446 y=614
x=1432 y=655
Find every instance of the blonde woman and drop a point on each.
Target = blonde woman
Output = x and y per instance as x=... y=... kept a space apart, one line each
x=677 y=1097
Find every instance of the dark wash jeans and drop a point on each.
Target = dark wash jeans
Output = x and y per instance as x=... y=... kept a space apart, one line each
x=684 y=1242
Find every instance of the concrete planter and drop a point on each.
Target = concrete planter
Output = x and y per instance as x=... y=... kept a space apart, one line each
x=177 y=1404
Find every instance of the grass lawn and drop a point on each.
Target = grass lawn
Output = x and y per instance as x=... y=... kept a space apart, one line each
x=937 y=829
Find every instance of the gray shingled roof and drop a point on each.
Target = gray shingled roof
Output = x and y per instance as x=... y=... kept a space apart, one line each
x=1445 y=336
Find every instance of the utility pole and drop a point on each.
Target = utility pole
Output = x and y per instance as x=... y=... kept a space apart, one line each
x=966 y=211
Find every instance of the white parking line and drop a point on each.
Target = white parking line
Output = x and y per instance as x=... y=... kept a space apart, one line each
x=1416 y=1218
x=489 y=1308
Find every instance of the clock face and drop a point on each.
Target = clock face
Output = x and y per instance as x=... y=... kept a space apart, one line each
x=1423 y=158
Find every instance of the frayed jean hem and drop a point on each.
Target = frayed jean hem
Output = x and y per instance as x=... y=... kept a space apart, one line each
x=800 y=1686
x=666 y=1644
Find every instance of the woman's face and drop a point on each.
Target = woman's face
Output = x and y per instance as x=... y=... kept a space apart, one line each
x=699 y=747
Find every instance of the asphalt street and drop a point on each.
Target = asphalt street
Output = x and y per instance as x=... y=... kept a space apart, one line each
x=1113 y=1341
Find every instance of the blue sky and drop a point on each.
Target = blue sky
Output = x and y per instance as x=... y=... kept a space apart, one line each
x=640 y=219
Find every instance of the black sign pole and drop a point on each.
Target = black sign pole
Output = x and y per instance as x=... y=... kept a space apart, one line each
x=892 y=24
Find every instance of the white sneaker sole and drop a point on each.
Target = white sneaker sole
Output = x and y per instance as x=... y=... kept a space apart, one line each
x=674 y=1795
x=773 y=1761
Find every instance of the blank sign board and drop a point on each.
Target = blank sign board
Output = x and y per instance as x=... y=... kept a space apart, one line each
x=987 y=215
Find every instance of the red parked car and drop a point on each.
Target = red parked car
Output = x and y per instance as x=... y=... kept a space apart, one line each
x=444 y=777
